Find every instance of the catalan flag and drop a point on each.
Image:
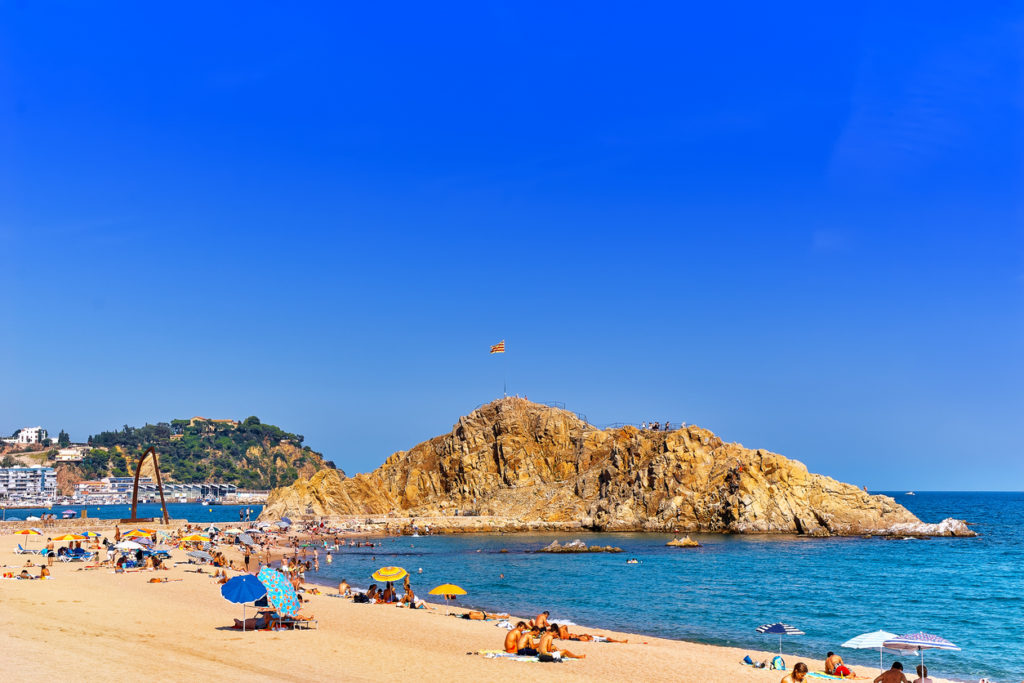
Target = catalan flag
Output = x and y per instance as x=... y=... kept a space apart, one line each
x=499 y=347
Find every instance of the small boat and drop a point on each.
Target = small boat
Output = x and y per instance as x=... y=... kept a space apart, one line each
x=911 y=493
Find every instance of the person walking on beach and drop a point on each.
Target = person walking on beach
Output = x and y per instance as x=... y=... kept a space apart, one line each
x=893 y=675
x=117 y=534
x=799 y=673
x=246 y=558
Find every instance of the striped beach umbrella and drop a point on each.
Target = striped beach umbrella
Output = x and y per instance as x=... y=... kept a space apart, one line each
x=136 y=533
x=91 y=534
x=782 y=630
x=29 y=532
x=870 y=641
x=919 y=642
x=389 y=574
x=69 y=537
x=280 y=591
x=196 y=538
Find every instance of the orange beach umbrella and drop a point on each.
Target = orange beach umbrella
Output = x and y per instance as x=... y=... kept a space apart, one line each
x=69 y=537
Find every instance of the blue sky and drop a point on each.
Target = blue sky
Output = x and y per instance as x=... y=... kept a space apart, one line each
x=801 y=230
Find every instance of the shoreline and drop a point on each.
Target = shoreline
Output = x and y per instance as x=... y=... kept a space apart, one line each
x=129 y=620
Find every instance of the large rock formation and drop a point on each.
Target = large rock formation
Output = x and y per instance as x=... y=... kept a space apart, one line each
x=522 y=461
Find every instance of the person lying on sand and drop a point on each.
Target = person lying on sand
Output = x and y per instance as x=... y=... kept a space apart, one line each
x=563 y=633
x=799 y=673
x=893 y=675
x=512 y=637
x=546 y=651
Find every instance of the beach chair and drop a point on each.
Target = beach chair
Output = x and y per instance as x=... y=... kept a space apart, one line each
x=298 y=621
x=24 y=551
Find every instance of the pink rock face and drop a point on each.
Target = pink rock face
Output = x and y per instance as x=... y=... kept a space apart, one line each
x=520 y=465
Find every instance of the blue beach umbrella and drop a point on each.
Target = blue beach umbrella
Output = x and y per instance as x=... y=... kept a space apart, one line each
x=286 y=520
x=243 y=589
x=919 y=642
x=782 y=630
x=280 y=591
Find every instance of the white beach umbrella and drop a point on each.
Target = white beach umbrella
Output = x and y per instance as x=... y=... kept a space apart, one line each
x=919 y=642
x=128 y=545
x=871 y=641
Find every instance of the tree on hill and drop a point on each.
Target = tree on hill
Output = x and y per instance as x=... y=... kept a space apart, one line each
x=63 y=440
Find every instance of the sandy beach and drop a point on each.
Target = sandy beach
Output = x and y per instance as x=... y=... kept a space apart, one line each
x=95 y=625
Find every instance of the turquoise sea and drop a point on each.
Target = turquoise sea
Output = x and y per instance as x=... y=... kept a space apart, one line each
x=969 y=591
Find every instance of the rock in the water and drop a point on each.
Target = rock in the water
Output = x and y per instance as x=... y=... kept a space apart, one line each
x=578 y=546
x=686 y=542
x=522 y=466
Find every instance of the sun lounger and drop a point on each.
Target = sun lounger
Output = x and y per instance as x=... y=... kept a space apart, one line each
x=28 y=551
x=297 y=621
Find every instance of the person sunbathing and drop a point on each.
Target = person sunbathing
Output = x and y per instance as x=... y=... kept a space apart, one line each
x=799 y=674
x=834 y=665
x=563 y=633
x=512 y=638
x=527 y=645
x=344 y=589
x=43 y=571
x=546 y=651
x=893 y=675
x=541 y=620
x=253 y=623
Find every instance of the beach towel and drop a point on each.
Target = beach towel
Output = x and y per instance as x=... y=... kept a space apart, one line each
x=830 y=677
x=501 y=654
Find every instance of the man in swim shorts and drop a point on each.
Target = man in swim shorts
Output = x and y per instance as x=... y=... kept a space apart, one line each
x=834 y=665
x=546 y=651
x=512 y=639
x=525 y=646
x=541 y=620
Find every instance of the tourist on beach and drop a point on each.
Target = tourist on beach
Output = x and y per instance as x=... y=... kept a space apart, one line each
x=799 y=673
x=563 y=633
x=246 y=557
x=49 y=551
x=541 y=620
x=834 y=665
x=526 y=646
x=372 y=593
x=45 y=572
x=922 y=674
x=545 y=650
x=512 y=637
x=344 y=590
x=117 y=534
x=893 y=675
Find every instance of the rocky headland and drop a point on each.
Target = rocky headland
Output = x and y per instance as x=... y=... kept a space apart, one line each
x=516 y=465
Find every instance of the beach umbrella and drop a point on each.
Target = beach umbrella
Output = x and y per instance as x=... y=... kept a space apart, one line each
x=128 y=545
x=29 y=532
x=135 y=533
x=280 y=592
x=286 y=520
x=234 y=530
x=782 y=630
x=447 y=589
x=201 y=555
x=246 y=539
x=919 y=642
x=143 y=540
x=243 y=589
x=389 y=574
x=33 y=518
x=91 y=534
x=69 y=537
x=870 y=641
x=283 y=524
x=196 y=538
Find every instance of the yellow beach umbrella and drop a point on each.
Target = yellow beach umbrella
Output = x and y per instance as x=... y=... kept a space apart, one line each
x=135 y=533
x=196 y=538
x=447 y=589
x=389 y=574
x=69 y=537
x=29 y=532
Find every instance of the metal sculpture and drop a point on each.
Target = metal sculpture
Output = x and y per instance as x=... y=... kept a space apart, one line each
x=159 y=485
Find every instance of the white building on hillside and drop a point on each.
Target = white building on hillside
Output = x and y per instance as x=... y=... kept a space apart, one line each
x=28 y=435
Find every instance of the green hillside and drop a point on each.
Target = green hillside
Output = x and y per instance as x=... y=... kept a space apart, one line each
x=249 y=454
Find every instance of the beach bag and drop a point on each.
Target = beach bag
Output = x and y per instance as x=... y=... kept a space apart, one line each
x=778 y=663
